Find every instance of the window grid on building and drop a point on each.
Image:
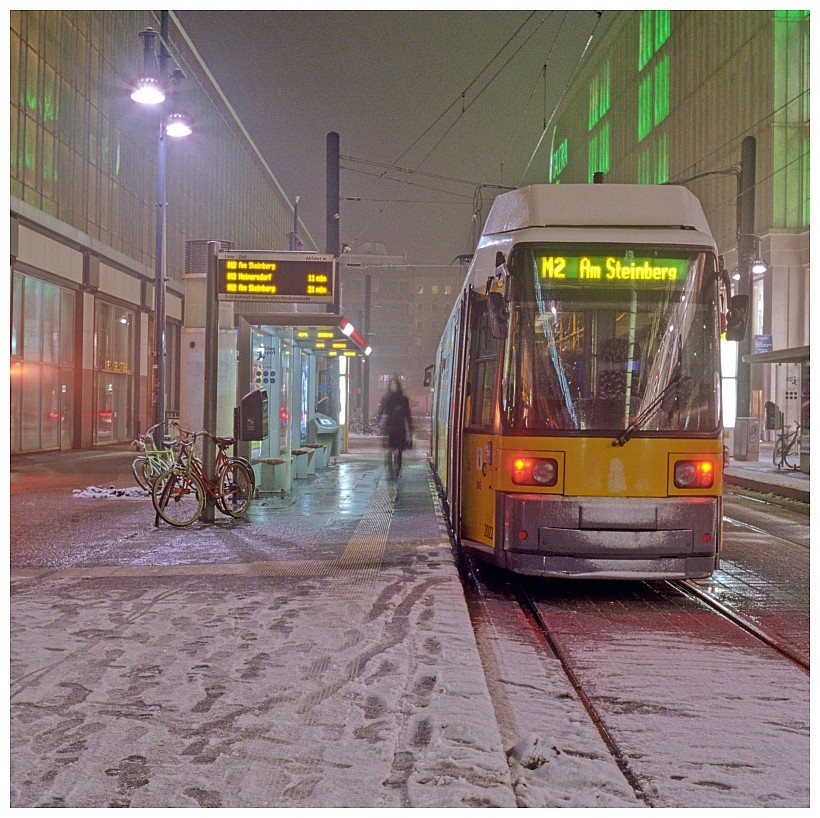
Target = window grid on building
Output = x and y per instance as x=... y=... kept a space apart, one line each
x=654 y=88
x=83 y=152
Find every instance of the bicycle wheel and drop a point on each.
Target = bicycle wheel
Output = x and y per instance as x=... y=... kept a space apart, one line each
x=245 y=462
x=777 y=452
x=141 y=468
x=178 y=497
x=235 y=488
x=792 y=456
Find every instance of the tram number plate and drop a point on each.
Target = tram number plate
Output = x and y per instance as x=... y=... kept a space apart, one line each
x=488 y=531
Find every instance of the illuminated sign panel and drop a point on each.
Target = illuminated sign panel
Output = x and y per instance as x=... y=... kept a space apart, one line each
x=611 y=270
x=270 y=276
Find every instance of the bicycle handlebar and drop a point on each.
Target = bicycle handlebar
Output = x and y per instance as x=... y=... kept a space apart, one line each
x=190 y=437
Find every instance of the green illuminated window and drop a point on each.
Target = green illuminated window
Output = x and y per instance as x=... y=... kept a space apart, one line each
x=655 y=86
x=599 y=151
x=645 y=167
x=599 y=102
x=655 y=28
x=662 y=160
x=560 y=157
x=645 y=120
x=663 y=27
x=791 y=121
x=662 y=86
x=599 y=95
x=646 y=40
x=653 y=162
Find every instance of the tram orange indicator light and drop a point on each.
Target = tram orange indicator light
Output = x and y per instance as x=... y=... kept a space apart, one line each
x=534 y=471
x=694 y=474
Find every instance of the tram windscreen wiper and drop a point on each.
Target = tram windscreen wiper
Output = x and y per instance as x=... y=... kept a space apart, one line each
x=650 y=410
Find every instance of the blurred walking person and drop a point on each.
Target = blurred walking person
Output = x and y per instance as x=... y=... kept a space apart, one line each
x=396 y=424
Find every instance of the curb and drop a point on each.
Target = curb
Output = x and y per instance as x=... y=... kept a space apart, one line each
x=767 y=487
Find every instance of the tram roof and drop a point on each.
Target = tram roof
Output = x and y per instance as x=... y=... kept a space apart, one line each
x=615 y=206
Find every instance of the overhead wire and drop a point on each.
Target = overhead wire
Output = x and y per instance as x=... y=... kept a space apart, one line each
x=541 y=74
x=492 y=79
x=599 y=15
x=461 y=96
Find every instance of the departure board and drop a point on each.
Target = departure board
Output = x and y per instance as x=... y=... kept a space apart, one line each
x=276 y=276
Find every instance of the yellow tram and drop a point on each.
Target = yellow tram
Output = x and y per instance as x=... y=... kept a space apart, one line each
x=577 y=424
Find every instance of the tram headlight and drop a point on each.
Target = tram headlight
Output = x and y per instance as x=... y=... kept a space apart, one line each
x=535 y=471
x=694 y=474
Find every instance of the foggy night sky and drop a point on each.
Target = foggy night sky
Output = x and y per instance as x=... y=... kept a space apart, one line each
x=456 y=97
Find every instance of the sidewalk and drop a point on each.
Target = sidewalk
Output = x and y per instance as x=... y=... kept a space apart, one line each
x=318 y=653
x=761 y=475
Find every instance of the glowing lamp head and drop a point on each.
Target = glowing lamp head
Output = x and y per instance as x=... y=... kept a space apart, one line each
x=148 y=91
x=178 y=125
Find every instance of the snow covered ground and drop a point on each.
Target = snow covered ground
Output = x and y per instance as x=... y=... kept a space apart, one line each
x=355 y=680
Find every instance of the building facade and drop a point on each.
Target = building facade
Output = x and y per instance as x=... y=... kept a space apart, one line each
x=84 y=210
x=677 y=97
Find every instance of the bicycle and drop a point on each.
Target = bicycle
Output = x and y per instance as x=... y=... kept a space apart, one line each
x=786 y=453
x=181 y=492
x=148 y=466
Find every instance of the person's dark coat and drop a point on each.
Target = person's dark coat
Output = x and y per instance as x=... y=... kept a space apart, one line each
x=396 y=421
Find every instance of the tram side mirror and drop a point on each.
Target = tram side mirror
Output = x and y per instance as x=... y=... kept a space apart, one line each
x=737 y=318
x=497 y=310
x=429 y=371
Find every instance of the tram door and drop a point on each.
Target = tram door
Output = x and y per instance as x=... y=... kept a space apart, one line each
x=478 y=457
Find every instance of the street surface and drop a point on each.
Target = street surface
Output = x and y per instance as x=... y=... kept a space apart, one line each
x=322 y=653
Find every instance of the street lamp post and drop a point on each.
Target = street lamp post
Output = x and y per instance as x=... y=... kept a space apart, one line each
x=150 y=90
x=160 y=283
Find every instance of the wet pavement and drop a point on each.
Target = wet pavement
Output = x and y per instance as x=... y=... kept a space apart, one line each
x=317 y=653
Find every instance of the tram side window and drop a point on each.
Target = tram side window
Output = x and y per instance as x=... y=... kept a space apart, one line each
x=482 y=371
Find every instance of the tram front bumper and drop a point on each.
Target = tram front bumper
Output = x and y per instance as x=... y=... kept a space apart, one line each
x=672 y=537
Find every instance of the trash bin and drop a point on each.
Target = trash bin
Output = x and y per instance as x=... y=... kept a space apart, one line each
x=747 y=439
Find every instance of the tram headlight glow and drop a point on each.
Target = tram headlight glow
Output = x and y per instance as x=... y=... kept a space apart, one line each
x=534 y=471
x=694 y=474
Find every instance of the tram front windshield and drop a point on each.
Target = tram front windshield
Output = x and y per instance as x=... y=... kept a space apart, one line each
x=602 y=339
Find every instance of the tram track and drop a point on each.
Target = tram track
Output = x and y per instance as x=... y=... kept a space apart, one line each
x=570 y=628
x=531 y=611
x=741 y=524
x=691 y=589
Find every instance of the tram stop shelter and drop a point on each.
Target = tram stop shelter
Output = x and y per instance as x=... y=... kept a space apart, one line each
x=303 y=361
x=791 y=392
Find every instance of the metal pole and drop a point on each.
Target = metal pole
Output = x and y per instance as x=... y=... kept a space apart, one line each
x=159 y=286
x=366 y=362
x=294 y=236
x=161 y=247
x=746 y=251
x=332 y=214
x=211 y=374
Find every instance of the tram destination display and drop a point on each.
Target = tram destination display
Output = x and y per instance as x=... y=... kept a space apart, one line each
x=271 y=276
x=612 y=270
